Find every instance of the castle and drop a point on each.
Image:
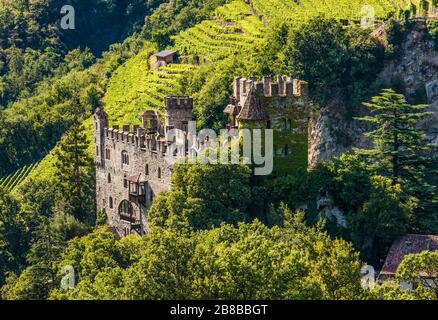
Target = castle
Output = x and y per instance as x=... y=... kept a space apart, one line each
x=131 y=168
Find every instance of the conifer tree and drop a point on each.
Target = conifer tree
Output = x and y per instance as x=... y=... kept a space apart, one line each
x=400 y=148
x=74 y=175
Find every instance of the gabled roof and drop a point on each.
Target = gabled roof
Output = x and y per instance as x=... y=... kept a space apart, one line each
x=232 y=109
x=409 y=244
x=137 y=178
x=165 y=53
x=252 y=109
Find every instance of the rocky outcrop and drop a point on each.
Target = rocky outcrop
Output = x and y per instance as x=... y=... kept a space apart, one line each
x=416 y=70
x=331 y=134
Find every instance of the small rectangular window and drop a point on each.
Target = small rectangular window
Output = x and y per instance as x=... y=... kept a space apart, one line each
x=125 y=158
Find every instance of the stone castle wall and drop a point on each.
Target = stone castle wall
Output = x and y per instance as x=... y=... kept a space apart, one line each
x=134 y=157
x=145 y=163
x=129 y=157
x=286 y=102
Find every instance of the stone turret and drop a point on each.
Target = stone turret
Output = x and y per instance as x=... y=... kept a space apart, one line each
x=280 y=104
x=100 y=120
x=179 y=111
x=131 y=165
x=246 y=103
x=151 y=121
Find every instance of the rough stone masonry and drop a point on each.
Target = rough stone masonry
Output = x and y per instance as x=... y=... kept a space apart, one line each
x=131 y=168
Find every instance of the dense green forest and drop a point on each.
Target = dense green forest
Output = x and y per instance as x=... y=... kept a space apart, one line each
x=207 y=241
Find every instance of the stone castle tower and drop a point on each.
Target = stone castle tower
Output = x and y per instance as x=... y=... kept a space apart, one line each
x=280 y=104
x=130 y=163
x=131 y=168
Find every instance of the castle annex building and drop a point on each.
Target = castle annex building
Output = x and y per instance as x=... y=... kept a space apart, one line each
x=131 y=168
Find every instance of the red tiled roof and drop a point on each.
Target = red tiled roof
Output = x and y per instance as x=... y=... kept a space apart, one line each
x=408 y=244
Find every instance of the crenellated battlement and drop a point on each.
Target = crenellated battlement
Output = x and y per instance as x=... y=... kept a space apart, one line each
x=151 y=135
x=171 y=102
x=282 y=86
x=131 y=160
x=139 y=138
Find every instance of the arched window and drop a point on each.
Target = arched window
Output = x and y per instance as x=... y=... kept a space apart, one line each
x=109 y=177
x=97 y=150
x=125 y=208
x=111 y=202
x=286 y=125
x=108 y=154
x=125 y=157
x=146 y=169
x=154 y=124
x=159 y=173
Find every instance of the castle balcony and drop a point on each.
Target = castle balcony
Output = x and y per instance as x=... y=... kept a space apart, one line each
x=128 y=218
x=137 y=189
x=138 y=199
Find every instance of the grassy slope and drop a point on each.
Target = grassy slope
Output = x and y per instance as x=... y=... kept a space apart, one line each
x=236 y=29
x=11 y=181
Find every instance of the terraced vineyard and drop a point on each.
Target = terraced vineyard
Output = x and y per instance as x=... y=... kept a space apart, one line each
x=298 y=11
x=134 y=88
x=235 y=29
x=11 y=181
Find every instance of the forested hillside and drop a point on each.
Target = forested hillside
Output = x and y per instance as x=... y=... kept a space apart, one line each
x=225 y=46
x=52 y=80
x=44 y=68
